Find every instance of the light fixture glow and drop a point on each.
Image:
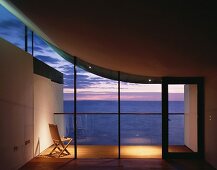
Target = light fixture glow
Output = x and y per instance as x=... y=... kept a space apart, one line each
x=149 y=80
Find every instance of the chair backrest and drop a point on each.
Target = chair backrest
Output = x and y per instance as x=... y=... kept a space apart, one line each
x=54 y=132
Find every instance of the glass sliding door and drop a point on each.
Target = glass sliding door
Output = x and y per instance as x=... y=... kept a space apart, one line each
x=179 y=123
x=140 y=120
x=182 y=117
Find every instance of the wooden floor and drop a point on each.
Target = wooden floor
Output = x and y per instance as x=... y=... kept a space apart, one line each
x=89 y=159
x=115 y=164
x=105 y=151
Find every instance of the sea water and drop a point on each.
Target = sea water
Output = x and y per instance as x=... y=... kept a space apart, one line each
x=141 y=122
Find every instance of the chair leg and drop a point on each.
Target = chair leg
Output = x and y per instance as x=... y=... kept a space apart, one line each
x=65 y=148
x=53 y=149
x=59 y=148
x=67 y=151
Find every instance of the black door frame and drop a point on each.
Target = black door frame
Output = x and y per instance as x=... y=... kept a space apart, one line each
x=199 y=81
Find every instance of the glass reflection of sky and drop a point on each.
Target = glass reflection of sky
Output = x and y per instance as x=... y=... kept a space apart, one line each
x=89 y=86
x=11 y=29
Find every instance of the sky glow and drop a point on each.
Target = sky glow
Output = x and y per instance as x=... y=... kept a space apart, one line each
x=89 y=86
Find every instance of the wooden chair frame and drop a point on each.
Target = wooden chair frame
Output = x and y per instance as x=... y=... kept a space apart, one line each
x=58 y=141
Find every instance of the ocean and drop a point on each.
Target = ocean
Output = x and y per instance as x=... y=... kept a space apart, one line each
x=96 y=106
x=141 y=122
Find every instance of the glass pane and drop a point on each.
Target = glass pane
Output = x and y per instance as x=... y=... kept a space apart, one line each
x=182 y=118
x=140 y=120
x=68 y=74
x=96 y=116
x=29 y=43
x=11 y=28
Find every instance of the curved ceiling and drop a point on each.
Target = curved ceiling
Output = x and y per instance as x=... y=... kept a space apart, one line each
x=143 y=38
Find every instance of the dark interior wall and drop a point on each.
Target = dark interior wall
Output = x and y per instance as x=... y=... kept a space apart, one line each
x=211 y=119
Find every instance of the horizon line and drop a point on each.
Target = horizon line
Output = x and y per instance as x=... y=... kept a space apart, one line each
x=127 y=100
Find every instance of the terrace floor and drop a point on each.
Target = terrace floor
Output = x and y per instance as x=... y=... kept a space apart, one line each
x=108 y=151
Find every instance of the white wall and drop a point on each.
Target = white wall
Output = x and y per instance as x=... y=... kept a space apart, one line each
x=190 y=99
x=23 y=94
x=48 y=99
x=16 y=103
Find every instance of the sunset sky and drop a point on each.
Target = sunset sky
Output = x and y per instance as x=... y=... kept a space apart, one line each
x=89 y=86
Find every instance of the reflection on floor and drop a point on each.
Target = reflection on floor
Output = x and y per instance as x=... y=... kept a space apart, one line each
x=104 y=151
x=141 y=152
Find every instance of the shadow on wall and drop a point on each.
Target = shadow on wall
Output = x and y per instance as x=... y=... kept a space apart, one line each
x=37 y=149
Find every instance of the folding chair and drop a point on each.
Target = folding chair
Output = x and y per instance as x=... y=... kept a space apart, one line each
x=59 y=142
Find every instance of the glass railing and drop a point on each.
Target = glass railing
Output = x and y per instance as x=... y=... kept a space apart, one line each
x=141 y=129
x=176 y=129
x=136 y=128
